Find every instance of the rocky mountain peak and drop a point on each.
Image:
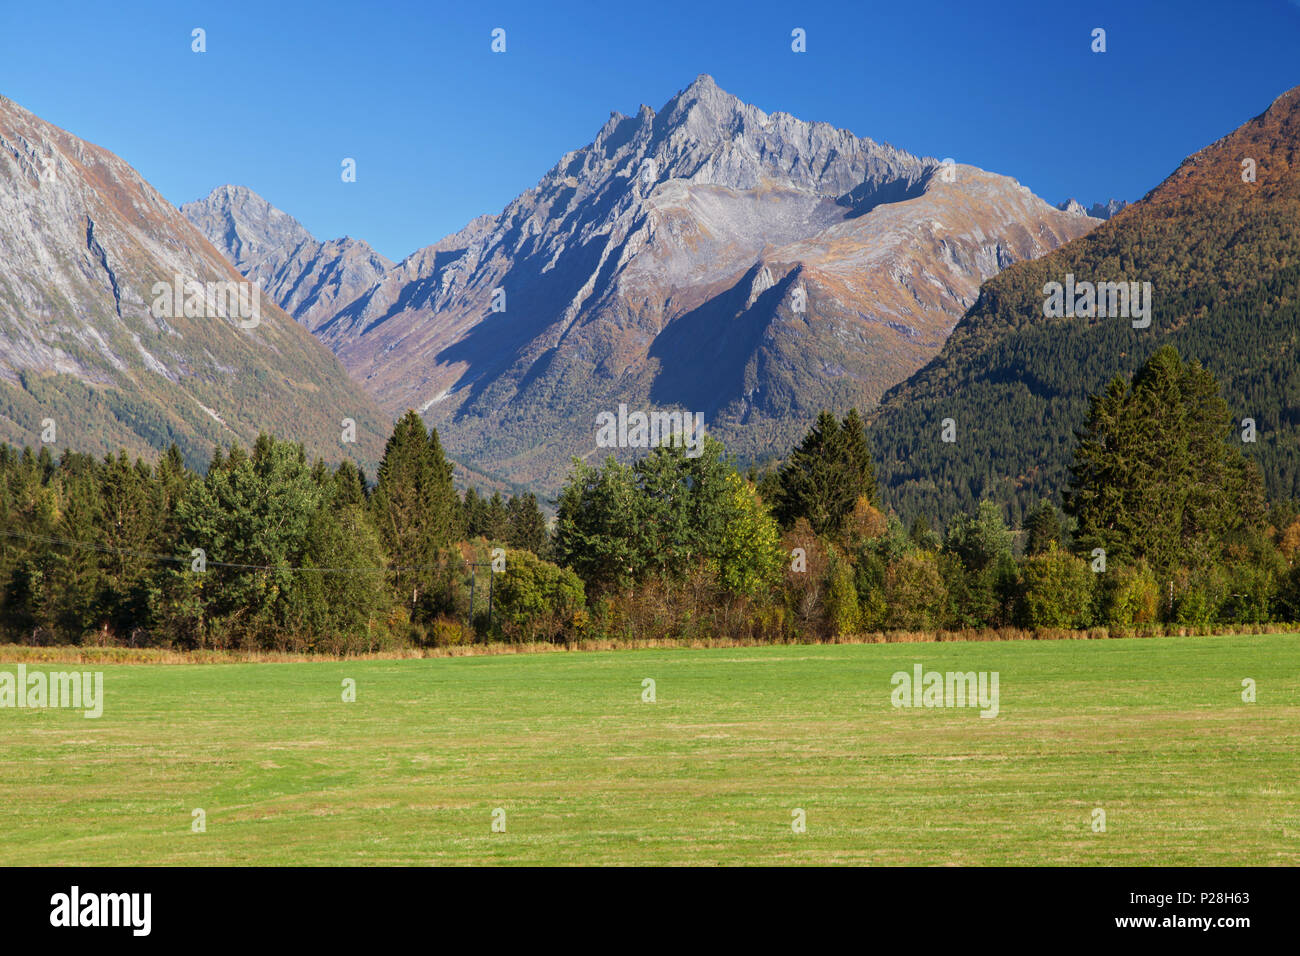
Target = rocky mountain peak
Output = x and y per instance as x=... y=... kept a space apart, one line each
x=1096 y=211
x=1107 y=209
x=707 y=135
x=309 y=279
x=704 y=103
x=710 y=255
x=244 y=225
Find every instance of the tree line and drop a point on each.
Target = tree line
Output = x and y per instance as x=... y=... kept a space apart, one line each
x=1164 y=522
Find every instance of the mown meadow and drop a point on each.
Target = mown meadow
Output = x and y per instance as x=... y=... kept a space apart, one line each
x=1153 y=731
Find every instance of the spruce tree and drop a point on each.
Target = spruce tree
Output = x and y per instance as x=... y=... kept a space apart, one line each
x=527 y=524
x=496 y=521
x=407 y=506
x=1042 y=529
x=857 y=451
x=826 y=474
x=473 y=518
x=1155 y=477
x=349 y=485
x=447 y=524
x=133 y=522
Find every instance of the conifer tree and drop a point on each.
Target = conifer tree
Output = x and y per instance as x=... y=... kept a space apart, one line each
x=404 y=507
x=473 y=518
x=349 y=485
x=496 y=525
x=414 y=505
x=447 y=523
x=1042 y=529
x=132 y=524
x=526 y=523
x=1154 y=476
x=826 y=474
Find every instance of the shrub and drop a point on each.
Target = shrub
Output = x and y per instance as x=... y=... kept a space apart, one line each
x=444 y=632
x=1198 y=595
x=1128 y=595
x=534 y=599
x=1250 y=594
x=842 y=611
x=869 y=582
x=865 y=523
x=1286 y=602
x=749 y=558
x=805 y=579
x=1056 y=590
x=914 y=593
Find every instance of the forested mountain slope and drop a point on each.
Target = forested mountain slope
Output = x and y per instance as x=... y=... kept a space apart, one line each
x=1222 y=254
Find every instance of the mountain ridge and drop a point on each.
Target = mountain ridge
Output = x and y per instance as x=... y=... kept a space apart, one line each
x=309 y=278
x=86 y=244
x=1097 y=210
x=628 y=274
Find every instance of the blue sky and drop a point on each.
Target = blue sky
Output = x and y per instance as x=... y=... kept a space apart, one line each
x=443 y=129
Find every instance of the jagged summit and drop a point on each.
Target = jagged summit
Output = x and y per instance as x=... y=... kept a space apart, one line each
x=310 y=279
x=1107 y=209
x=1096 y=211
x=244 y=225
x=751 y=266
x=659 y=263
x=705 y=85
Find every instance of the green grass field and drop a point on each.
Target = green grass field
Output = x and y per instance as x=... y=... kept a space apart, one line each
x=1153 y=731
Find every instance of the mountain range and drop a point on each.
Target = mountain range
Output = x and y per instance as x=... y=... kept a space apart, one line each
x=709 y=257
x=310 y=280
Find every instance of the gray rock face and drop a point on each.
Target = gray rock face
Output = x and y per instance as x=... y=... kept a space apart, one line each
x=1096 y=210
x=1107 y=209
x=660 y=264
x=710 y=257
x=706 y=147
x=310 y=280
x=86 y=245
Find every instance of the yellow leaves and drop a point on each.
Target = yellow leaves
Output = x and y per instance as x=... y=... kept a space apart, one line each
x=865 y=521
x=1289 y=543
